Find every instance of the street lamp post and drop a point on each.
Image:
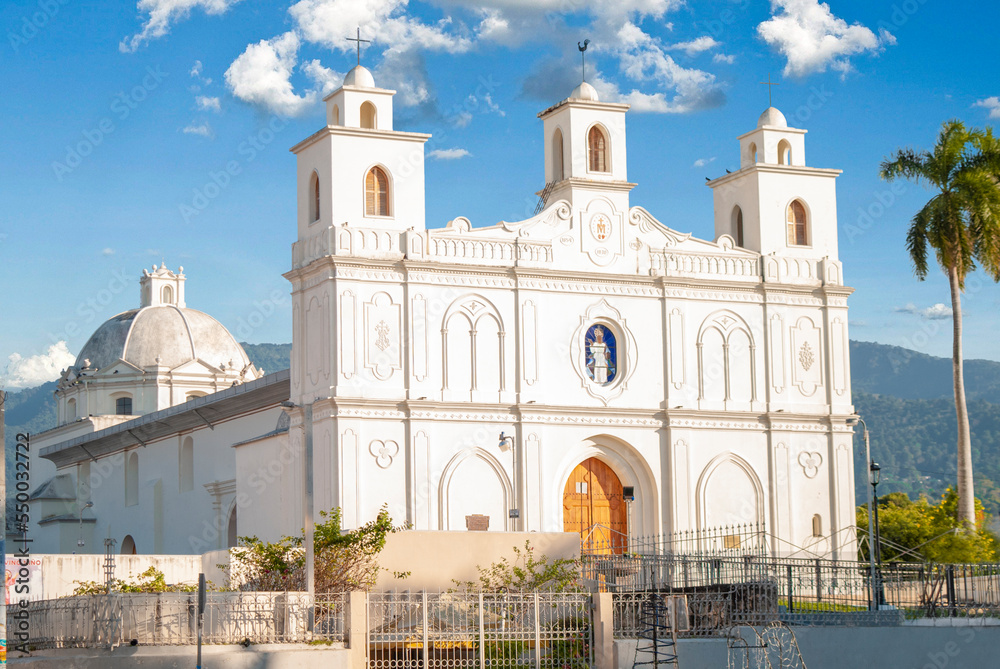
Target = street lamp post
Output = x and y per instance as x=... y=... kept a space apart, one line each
x=307 y=511
x=80 y=542
x=854 y=420
x=876 y=475
x=507 y=444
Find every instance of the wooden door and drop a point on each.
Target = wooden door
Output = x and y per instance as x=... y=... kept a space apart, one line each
x=594 y=508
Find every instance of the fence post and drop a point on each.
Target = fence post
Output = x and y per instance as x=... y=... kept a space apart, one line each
x=482 y=632
x=538 y=635
x=819 y=583
x=425 y=652
x=791 y=605
x=604 y=630
x=950 y=580
x=356 y=634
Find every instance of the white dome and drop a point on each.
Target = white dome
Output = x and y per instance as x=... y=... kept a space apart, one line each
x=772 y=116
x=162 y=335
x=360 y=76
x=584 y=92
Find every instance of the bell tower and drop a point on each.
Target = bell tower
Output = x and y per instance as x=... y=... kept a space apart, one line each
x=585 y=150
x=358 y=171
x=775 y=203
x=162 y=287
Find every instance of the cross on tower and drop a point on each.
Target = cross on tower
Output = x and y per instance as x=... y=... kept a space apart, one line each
x=359 y=41
x=769 y=84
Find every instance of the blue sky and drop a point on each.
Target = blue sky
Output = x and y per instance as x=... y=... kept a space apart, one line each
x=120 y=119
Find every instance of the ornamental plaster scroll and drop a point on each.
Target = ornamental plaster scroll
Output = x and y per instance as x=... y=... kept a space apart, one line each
x=807 y=366
x=382 y=336
x=810 y=461
x=648 y=224
x=604 y=314
x=383 y=452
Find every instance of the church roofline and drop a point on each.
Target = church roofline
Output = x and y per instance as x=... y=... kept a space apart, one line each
x=588 y=104
x=776 y=169
x=359 y=132
x=217 y=407
x=361 y=89
x=775 y=128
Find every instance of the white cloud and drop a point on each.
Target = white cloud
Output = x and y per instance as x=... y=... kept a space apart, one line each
x=204 y=130
x=934 y=312
x=206 y=103
x=160 y=14
x=812 y=39
x=326 y=80
x=701 y=162
x=196 y=69
x=37 y=369
x=991 y=104
x=723 y=58
x=108 y=251
x=448 y=154
x=261 y=76
x=695 y=46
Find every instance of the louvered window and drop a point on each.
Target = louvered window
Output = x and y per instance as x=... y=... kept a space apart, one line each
x=597 y=151
x=796 y=221
x=376 y=193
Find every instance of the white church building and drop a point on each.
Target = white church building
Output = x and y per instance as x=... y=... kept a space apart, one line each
x=708 y=380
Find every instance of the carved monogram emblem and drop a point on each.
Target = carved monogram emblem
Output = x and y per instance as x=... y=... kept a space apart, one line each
x=810 y=461
x=806 y=356
x=383 y=452
x=382 y=330
x=600 y=227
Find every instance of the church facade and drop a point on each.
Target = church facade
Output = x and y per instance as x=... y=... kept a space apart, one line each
x=588 y=369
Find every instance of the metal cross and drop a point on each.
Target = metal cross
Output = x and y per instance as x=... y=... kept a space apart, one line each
x=583 y=56
x=359 y=41
x=769 y=83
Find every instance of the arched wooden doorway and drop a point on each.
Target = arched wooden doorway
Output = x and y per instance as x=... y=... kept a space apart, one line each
x=593 y=507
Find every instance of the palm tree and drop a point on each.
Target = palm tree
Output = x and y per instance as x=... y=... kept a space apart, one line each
x=961 y=223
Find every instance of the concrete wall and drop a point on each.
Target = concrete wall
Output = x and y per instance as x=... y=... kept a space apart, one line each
x=60 y=573
x=966 y=646
x=435 y=558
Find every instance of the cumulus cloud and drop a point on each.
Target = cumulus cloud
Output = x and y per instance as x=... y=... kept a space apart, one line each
x=203 y=129
x=812 y=39
x=723 y=58
x=448 y=154
x=37 y=369
x=992 y=105
x=161 y=14
x=934 y=312
x=695 y=46
x=261 y=76
x=701 y=162
x=206 y=103
x=108 y=251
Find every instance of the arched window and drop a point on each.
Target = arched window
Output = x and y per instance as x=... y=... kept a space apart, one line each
x=186 y=466
x=71 y=410
x=368 y=115
x=557 y=155
x=314 y=197
x=231 y=539
x=128 y=545
x=796 y=220
x=597 y=150
x=132 y=480
x=123 y=406
x=167 y=295
x=738 y=225
x=336 y=115
x=784 y=152
x=817 y=525
x=377 y=193
x=752 y=153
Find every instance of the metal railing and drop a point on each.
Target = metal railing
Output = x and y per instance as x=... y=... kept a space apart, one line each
x=170 y=619
x=424 y=630
x=723 y=591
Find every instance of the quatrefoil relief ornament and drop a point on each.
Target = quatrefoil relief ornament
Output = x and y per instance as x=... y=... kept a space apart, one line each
x=810 y=461
x=383 y=452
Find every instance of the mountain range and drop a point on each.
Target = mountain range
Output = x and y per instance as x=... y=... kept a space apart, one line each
x=904 y=396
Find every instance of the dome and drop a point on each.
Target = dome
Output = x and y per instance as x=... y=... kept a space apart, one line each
x=584 y=92
x=360 y=76
x=162 y=335
x=772 y=116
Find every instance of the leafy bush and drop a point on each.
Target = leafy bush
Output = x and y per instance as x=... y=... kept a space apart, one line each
x=150 y=581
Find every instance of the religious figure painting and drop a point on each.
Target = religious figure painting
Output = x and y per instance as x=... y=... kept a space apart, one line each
x=602 y=354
